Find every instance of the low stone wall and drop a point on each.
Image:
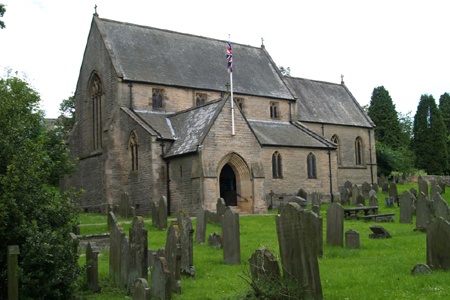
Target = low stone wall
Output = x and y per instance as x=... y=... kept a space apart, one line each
x=430 y=179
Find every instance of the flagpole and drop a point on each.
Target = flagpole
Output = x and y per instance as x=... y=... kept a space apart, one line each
x=232 y=98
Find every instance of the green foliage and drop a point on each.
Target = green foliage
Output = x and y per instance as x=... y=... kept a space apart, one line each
x=406 y=126
x=430 y=137
x=2 y=12
x=32 y=214
x=390 y=160
x=444 y=107
x=66 y=120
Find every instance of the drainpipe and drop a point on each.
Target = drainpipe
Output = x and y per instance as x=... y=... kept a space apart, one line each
x=167 y=178
x=331 y=178
x=290 y=113
x=370 y=156
x=323 y=130
x=131 y=96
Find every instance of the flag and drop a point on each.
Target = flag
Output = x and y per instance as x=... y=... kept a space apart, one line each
x=229 y=58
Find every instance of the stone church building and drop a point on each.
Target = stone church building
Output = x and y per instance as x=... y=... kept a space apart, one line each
x=154 y=118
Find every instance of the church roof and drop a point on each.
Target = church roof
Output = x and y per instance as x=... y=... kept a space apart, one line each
x=329 y=103
x=158 y=122
x=147 y=54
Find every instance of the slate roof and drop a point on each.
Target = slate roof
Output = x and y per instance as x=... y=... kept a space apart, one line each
x=158 y=122
x=152 y=55
x=329 y=103
x=272 y=133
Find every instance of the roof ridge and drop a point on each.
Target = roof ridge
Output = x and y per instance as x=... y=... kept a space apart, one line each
x=193 y=108
x=320 y=81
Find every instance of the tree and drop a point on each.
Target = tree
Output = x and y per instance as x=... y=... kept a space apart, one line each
x=2 y=12
x=66 y=120
x=444 y=107
x=430 y=137
x=33 y=215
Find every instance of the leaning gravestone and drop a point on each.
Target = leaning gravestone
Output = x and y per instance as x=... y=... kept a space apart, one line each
x=442 y=186
x=264 y=265
x=373 y=201
x=435 y=189
x=200 y=227
x=438 y=243
x=231 y=237
x=12 y=261
x=141 y=290
x=173 y=256
x=360 y=200
x=423 y=186
x=335 y=225
x=379 y=232
x=420 y=269
x=215 y=240
x=385 y=188
x=138 y=252
x=92 y=267
x=393 y=190
x=441 y=207
x=352 y=240
x=162 y=213
x=345 y=196
x=406 y=207
x=366 y=188
x=302 y=194
x=355 y=193
x=423 y=212
x=297 y=239
x=162 y=280
x=187 y=243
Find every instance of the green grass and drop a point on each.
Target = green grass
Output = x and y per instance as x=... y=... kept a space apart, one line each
x=379 y=270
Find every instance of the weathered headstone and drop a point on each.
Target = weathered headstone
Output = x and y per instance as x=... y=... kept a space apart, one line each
x=352 y=239
x=162 y=213
x=413 y=191
x=393 y=190
x=434 y=190
x=302 y=194
x=264 y=265
x=297 y=239
x=406 y=207
x=348 y=185
x=125 y=208
x=441 y=207
x=438 y=243
x=385 y=188
x=152 y=257
x=161 y=252
x=379 y=232
x=316 y=199
x=92 y=267
x=389 y=201
x=13 y=267
x=365 y=189
x=355 y=193
x=138 y=252
x=173 y=256
x=360 y=200
x=231 y=237
x=420 y=269
x=141 y=290
x=320 y=236
x=161 y=280
x=375 y=187
x=382 y=179
x=345 y=196
x=215 y=240
x=316 y=210
x=299 y=200
x=423 y=186
x=200 y=227
x=117 y=256
x=155 y=213
x=335 y=225
x=423 y=211
x=373 y=201
x=187 y=243
x=442 y=186
x=372 y=193
x=124 y=252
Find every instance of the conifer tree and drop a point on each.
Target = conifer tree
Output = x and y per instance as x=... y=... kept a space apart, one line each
x=444 y=107
x=429 y=139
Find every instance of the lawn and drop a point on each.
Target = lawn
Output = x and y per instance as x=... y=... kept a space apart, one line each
x=379 y=270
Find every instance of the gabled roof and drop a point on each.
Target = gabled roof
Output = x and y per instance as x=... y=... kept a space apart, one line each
x=329 y=103
x=158 y=122
x=146 y=54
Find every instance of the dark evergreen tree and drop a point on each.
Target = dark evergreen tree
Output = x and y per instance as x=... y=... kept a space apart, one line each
x=430 y=137
x=444 y=107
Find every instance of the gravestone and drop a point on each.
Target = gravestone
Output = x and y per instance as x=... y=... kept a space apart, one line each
x=438 y=243
x=264 y=265
x=379 y=232
x=92 y=267
x=316 y=199
x=423 y=186
x=161 y=252
x=316 y=210
x=220 y=211
x=352 y=239
x=117 y=257
x=348 y=185
x=382 y=179
x=231 y=240
x=138 y=251
x=124 y=259
x=406 y=207
x=393 y=190
x=12 y=261
x=187 y=243
x=373 y=201
x=335 y=225
x=320 y=236
x=155 y=211
x=297 y=240
x=345 y=196
x=360 y=200
x=200 y=227
x=389 y=201
x=372 y=193
x=141 y=290
x=442 y=186
x=302 y=194
x=162 y=280
x=365 y=189
x=162 y=213
x=152 y=257
x=215 y=240
x=355 y=193
x=423 y=211
x=375 y=187
x=420 y=269
x=125 y=208
x=173 y=256
x=435 y=189
x=413 y=191
x=297 y=199
x=385 y=188
x=441 y=207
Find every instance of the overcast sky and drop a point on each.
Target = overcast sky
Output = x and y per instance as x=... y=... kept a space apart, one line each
x=402 y=45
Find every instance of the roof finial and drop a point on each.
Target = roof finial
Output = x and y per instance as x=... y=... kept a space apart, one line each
x=342 y=79
x=228 y=86
x=95 y=7
x=262 y=42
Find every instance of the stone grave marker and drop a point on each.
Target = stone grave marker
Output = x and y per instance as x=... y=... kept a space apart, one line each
x=155 y=212
x=231 y=240
x=125 y=208
x=124 y=258
x=141 y=290
x=406 y=207
x=138 y=251
x=264 y=265
x=366 y=188
x=435 y=189
x=297 y=199
x=162 y=213
x=215 y=240
x=423 y=211
x=352 y=240
x=420 y=269
x=345 y=196
x=151 y=257
x=385 y=188
x=302 y=194
x=413 y=191
x=162 y=280
x=379 y=232
x=442 y=186
x=161 y=252
x=348 y=185
x=372 y=193
x=335 y=225
x=320 y=236
x=173 y=256
x=200 y=227
x=373 y=201
x=92 y=267
x=187 y=243
x=423 y=186
x=117 y=235
x=441 y=207
x=393 y=190
x=355 y=193
x=382 y=179
x=375 y=187
x=360 y=200
x=389 y=201
x=316 y=199
x=438 y=243
x=297 y=239
x=316 y=210
x=12 y=262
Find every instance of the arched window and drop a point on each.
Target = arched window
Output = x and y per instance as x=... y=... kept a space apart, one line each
x=311 y=163
x=359 y=151
x=276 y=165
x=133 y=147
x=335 y=140
x=96 y=101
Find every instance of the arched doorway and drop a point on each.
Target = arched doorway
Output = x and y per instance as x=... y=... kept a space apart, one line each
x=228 y=185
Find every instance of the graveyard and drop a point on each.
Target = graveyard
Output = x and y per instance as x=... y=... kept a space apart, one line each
x=378 y=269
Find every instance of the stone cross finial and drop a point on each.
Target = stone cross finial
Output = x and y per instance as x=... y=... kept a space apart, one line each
x=262 y=42
x=342 y=79
x=228 y=86
x=95 y=8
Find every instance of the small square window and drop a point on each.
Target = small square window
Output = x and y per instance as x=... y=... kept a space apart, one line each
x=157 y=98
x=200 y=99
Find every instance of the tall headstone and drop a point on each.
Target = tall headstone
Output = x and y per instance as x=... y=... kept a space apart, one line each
x=320 y=236
x=435 y=189
x=406 y=207
x=187 y=243
x=200 y=227
x=297 y=239
x=138 y=252
x=173 y=255
x=423 y=211
x=141 y=290
x=373 y=201
x=366 y=188
x=264 y=265
x=335 y=225
x=316 y=199
x=413 y=191
x=125 y=208
x=382 y=179
x=375 y=187
x=13 y=265
x=360 y=200
x=124 y=259
x=441 y=207
x=231 y=237
x=116 y=255
x=345 y=196
x=355 y=193
x=316 y=210
x=393 y=190
x=155 y=213
x=438 y=243
x=302 y=194
x=161 y=280
x=162 y=213
x=92 y=267
x=423 y=186
x=352 y=240
x=385 y=188
x=220 y=210
x=442 y=186
x=348 y=185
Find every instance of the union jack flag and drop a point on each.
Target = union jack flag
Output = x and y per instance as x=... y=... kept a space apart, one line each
x=229 y=58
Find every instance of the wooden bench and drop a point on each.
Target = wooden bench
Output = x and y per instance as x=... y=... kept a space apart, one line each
x=352 y=213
